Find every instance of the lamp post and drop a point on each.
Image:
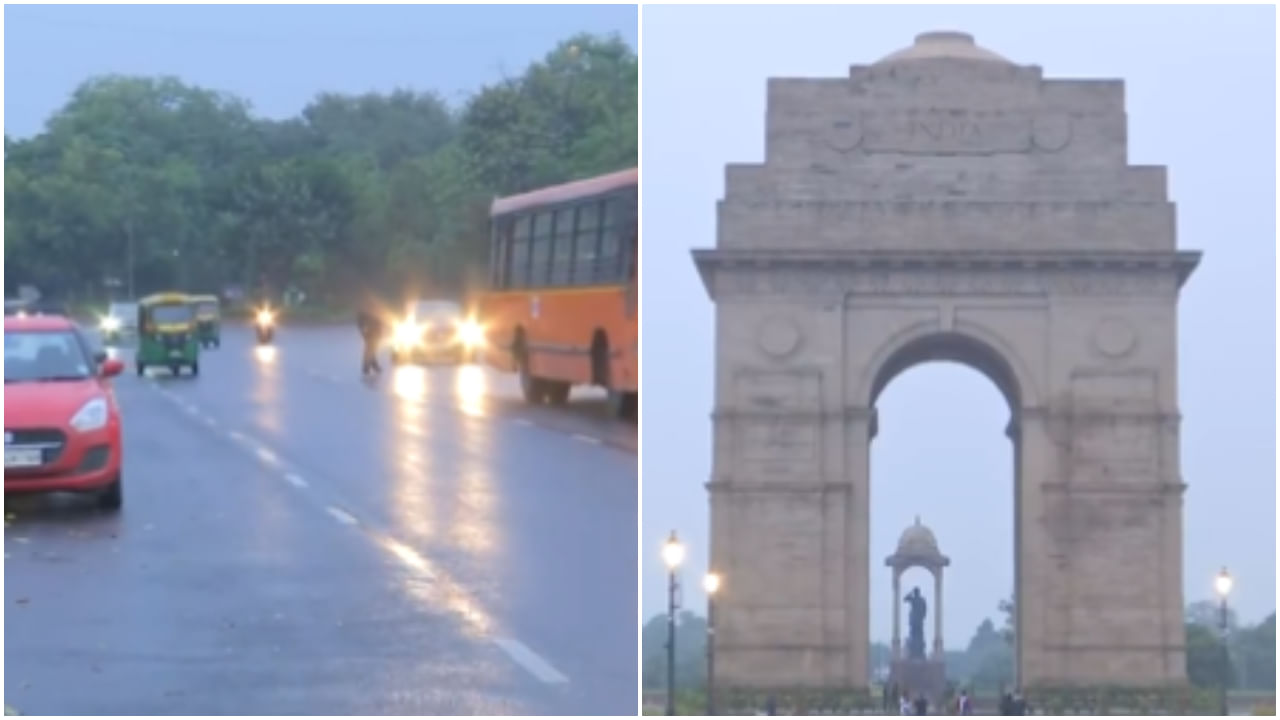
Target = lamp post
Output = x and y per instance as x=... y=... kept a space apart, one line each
x=711 y=583
x=1222 y=584
x=672 y=555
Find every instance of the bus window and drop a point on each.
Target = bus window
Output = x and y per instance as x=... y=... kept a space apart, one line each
x=539 y=268
x=606 y=270
x=500 y=249
x=518 y=276
x=587 y=243
x=562 y=249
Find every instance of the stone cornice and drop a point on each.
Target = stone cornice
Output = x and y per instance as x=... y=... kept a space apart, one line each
x=943 y=272
x=1094 y=488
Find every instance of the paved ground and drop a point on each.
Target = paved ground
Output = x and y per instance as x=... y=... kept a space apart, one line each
x=297 y=541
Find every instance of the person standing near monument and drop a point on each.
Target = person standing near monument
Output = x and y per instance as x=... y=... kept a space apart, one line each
x=964 y=706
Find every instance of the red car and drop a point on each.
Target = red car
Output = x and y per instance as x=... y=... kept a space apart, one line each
x=61 y=420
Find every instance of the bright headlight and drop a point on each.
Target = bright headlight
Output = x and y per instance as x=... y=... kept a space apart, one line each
x=407 y=333
x=471 y=332
x=265 y=317
x=91 y=416
x=110 y=323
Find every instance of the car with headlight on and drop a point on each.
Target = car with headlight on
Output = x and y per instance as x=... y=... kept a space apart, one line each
x=433 y=330
x=61 y=420
x=120 y=321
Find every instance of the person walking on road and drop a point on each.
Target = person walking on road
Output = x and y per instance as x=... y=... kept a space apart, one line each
x=370 y=326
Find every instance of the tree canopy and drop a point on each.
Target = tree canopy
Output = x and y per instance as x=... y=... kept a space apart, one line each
x=153 y=183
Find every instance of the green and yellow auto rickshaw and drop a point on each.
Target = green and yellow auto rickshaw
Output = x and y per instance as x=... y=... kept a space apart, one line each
x=167 y=333
x=208 y=320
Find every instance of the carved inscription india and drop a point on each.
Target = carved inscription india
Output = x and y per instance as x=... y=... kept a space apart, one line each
x=949 y=132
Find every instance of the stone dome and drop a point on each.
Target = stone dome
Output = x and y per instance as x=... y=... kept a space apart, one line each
x=944 y=44
x=917 y=541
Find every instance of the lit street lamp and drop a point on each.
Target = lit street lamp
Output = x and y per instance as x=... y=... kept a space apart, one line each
x=1222 y=584
x=672 y=555
x=711 y=583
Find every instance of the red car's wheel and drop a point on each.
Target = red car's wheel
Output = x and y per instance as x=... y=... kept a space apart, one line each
x=112 y=497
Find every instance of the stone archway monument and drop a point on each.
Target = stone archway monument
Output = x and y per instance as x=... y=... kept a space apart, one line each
x=947 y=204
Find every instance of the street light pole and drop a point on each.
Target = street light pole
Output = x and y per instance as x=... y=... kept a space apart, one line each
x=711 y=583
x=672 y=555
x=1222 y=584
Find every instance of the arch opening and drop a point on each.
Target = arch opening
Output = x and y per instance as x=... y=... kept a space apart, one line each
x=951 y=347
x=937 y=458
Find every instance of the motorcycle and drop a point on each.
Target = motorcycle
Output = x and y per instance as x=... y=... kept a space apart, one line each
x=264 y=326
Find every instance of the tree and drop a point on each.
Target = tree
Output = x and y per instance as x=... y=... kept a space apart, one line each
x=1205 y=659
x=171 y=185
x=691 y=649
x=1254 y=652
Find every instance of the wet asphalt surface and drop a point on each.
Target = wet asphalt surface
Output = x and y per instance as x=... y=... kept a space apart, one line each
x=295 y=540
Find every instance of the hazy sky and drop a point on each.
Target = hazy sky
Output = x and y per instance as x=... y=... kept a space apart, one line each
x=279 y=57
x=1200 y=86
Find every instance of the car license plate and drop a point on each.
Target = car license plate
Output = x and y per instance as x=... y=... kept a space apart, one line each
x=22 y=457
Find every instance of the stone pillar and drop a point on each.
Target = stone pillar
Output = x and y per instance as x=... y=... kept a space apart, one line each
x=937 y=613
x=896 y=648
x=859 y=429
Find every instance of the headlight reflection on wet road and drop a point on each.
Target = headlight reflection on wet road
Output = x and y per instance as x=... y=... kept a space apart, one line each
x=472 y=388
x=437 y=589
x=266 y=389
x=473 y=527
x=411 y=484
x=410 y=383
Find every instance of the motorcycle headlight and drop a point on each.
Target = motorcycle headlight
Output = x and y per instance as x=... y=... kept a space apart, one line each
x=110 y=323
x=265 y=317
x=407 y=333
x=471 y=333
x=91 y=416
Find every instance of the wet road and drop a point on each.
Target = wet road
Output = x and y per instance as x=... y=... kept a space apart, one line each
x=297 y=541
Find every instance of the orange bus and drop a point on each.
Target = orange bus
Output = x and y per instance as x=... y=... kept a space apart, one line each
x=563 y=277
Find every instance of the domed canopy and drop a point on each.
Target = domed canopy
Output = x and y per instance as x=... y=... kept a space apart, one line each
x=917 y=540
x=917 y=546
x=938 y=45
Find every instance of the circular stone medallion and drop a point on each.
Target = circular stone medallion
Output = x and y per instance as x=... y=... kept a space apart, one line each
x=778 y=337
x=1114 y=337
x=1051 y=132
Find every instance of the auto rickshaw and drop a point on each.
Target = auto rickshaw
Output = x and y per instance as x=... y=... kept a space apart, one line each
x=208 y=320
x=167 y=333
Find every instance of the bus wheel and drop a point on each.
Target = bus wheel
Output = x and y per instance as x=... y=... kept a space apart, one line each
x=557 y=393
x=616 y=402
x=600 y=360
x=534 y=389
x=623 y=405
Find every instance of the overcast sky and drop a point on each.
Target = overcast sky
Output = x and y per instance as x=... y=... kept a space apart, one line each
x=1200 y=85
x=281 y=56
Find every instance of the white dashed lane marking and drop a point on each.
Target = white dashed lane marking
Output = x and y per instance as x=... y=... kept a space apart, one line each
x=530 y=661
x=267 y=456
x=522 y=421
x=295 y=480
x=586 y=439
x=342 y=516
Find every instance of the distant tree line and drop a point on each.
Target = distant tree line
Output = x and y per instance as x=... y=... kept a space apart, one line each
x=161 y=184
x=986 y=665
